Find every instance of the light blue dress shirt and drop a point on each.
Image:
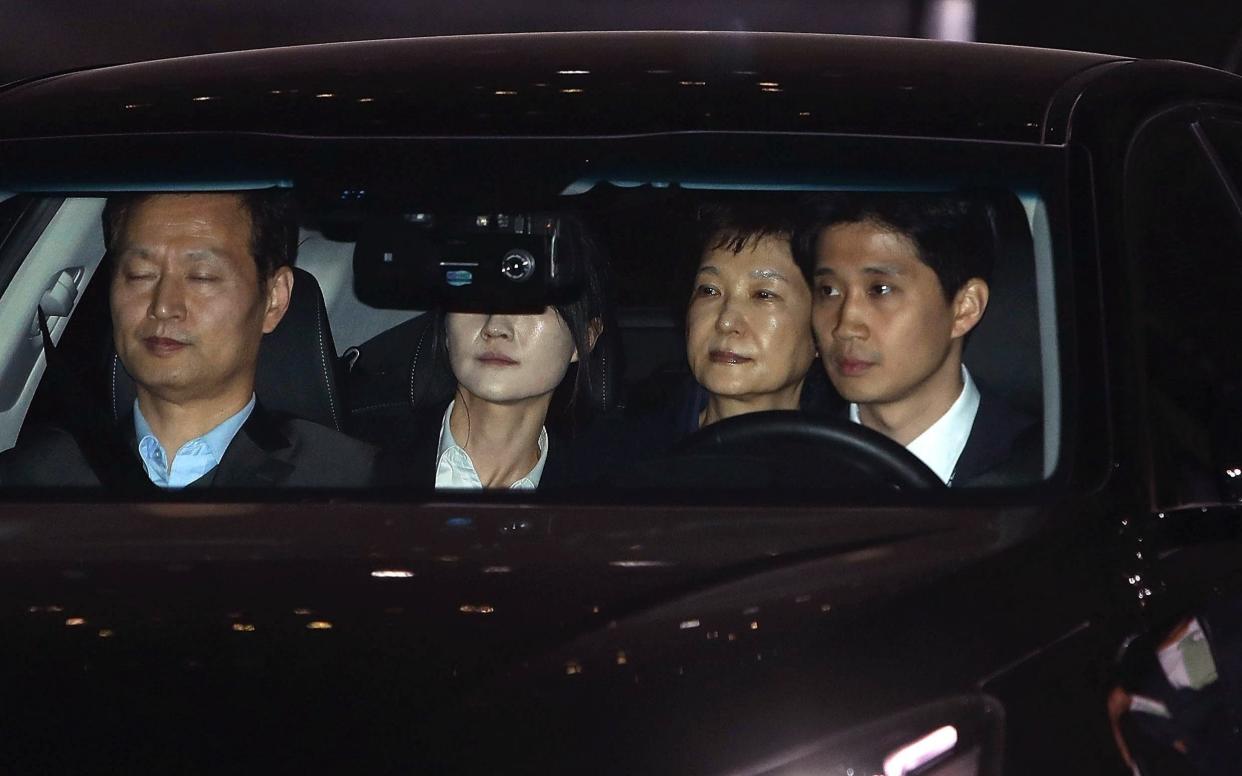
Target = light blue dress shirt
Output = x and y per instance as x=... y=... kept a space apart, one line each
x=195 y=458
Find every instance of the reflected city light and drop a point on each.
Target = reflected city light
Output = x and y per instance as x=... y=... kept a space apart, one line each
x=504 y=93
x=571 y=91
x=804 y=113
x=693 y=83
x=770 y=89
x=366 y=99
x=204 y=98
x=325 y=95
x=496 y=569
x=769 y=83
x=573 y=668
x=621 y=657
x=920 y=752
x=802 y=599
x=302 y=612
x=319 y=625
x=243 y=627
x=754 y=625
x=75 y=621
x=825 y=607
x=476 y=609
x=105 y=633
x=688 y=624
x=392 y=574
x=574 y=72
x=639 y=564
x=659 y=72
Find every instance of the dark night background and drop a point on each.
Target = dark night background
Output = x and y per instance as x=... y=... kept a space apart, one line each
x=41 y=36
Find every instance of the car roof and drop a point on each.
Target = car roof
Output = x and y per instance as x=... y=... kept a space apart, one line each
x=565 y=84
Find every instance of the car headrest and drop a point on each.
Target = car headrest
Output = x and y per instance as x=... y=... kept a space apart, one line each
x=1003 y=351
x=297 y=370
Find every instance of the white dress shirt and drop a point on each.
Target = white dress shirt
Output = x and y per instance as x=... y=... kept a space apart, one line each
x=454 y=469
x=942 y=443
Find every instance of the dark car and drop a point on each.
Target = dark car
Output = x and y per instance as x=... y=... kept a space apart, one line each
x=711 y=612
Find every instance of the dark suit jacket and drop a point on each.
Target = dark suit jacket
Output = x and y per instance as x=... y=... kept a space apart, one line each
x=1005 y=446
x=411 y=463
x=268 y=451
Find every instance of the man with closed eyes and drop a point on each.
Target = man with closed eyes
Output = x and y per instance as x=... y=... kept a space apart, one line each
x=197 y=280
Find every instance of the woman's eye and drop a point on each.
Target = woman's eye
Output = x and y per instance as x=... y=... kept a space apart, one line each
x=882 y=289
x=764 y=293
x=203 y=278
x=706 y=291
x=826 y=291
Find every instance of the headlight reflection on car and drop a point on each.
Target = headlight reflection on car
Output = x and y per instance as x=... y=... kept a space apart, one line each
x=959 y=736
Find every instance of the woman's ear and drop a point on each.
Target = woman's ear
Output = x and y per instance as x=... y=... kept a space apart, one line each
x=594 y=329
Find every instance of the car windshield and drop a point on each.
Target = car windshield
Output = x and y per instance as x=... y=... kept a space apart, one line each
x=668 y=317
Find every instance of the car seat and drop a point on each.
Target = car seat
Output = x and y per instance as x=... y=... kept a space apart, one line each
x=1003 y=351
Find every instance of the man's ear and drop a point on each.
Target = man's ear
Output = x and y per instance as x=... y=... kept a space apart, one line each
x=279 y=292
x=969 y=304
x=594 y=329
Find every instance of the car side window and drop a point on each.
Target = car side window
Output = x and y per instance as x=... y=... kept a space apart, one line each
x=1184 y=232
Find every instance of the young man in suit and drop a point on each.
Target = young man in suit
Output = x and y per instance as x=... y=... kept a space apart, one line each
x=197 y=281
x=898 y=283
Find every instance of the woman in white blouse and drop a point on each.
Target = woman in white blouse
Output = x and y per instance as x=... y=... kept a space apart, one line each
x=508 y=365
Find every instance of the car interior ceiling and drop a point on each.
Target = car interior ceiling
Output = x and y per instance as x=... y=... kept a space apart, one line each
x=307 y=367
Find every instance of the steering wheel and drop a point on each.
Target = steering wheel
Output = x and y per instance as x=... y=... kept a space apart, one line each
x=798 y=449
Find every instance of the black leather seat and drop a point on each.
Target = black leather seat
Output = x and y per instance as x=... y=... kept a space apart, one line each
x=298 y=368
x=1003 y=352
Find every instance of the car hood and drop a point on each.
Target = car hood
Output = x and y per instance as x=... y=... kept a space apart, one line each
x=424 y=631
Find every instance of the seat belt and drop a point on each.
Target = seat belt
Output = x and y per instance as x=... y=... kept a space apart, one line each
x=112 y=463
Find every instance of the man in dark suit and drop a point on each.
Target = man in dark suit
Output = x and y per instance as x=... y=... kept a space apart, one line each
x=197 y=280
x=898 y=282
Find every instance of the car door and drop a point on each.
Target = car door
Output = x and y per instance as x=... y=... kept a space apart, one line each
x=49 y=249
x=1183 y=221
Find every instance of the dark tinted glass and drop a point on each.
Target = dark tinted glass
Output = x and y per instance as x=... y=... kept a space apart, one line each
x=1186 y=233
